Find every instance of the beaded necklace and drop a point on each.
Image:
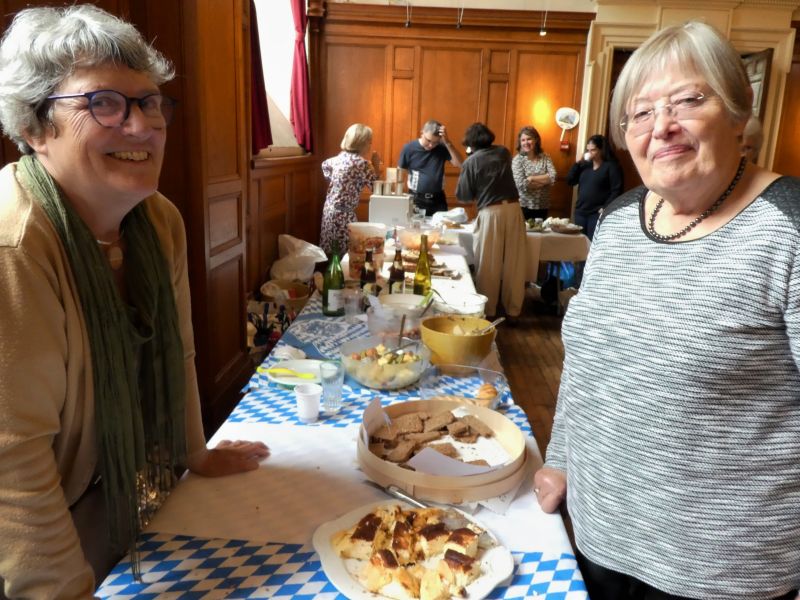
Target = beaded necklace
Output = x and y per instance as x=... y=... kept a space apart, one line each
x=710 y=210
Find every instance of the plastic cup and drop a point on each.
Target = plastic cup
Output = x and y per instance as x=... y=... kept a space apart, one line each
x=308 y=396
x=332 y=375
x=352 y=304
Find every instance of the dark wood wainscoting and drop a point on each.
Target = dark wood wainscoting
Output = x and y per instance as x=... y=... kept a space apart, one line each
x=496 y=69
x=283 y=199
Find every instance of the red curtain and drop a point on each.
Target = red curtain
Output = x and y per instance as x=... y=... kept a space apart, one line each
x=259 y=111
x=300 y=108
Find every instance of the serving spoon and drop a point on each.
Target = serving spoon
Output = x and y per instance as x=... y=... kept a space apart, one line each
x=489 y=327
x=281 y=371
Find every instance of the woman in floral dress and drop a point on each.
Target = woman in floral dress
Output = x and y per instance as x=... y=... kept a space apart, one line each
x=347 y=173
x=534 y=174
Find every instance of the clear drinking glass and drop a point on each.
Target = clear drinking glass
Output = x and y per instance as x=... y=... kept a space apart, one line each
x=332 y=376
x=353 y=298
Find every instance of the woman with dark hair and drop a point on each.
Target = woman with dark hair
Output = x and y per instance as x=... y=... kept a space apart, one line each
x=599 y=180
x=499 y=240
x=534 y=173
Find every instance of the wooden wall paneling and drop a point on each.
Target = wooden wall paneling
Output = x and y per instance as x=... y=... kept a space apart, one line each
x=545 y=82
x=219 y=143
x=450 y=91
x=283 y=193
x=401 y=126
x=355 y=92
x=787 y=151
x=456 y=75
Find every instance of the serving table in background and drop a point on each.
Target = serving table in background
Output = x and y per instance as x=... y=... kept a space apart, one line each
x=541 y=246
x=249 y=535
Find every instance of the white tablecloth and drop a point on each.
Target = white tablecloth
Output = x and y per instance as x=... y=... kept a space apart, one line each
x=540 y=247
x=249 y=535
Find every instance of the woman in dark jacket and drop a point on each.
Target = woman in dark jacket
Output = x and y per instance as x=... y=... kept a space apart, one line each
x=599 y=180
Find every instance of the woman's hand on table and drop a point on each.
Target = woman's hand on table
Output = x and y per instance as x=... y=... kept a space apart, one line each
x=228 y=458
x=550 y=487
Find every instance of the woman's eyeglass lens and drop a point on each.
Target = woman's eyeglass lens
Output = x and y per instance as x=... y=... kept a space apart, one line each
x=643 y=119
x=111 y=109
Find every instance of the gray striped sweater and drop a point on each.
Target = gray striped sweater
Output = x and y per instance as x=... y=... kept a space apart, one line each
x=678 y=417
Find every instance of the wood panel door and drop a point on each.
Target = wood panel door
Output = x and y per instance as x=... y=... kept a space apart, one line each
x=787 y=149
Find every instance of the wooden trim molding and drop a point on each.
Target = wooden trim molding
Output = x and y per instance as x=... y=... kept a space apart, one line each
x=527 y=20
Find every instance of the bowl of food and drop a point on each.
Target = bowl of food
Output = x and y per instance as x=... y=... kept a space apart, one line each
x=377 y=362
x=409 y=237
x=468 y=385
x=387 y=321
x=455 y=339
x=469 y=305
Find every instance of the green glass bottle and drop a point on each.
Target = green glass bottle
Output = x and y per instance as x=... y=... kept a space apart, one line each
x=422 y=276
x=333 y=286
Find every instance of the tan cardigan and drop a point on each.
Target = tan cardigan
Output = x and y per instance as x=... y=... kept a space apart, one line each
x=47 y=440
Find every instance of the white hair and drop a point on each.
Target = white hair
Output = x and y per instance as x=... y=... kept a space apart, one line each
x=44 y=46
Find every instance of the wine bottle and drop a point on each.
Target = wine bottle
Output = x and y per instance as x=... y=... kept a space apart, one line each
x=333 y=286
x=397 y=275
x=422 y=276
x=369 y=276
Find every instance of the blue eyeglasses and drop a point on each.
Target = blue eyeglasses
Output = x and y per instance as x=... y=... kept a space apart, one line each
x=111 y=108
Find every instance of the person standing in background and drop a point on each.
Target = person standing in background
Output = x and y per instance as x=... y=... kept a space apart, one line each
x=599 y=180
x=348 y=173
x=424 y=158
x=499 y=238
x=534 y=174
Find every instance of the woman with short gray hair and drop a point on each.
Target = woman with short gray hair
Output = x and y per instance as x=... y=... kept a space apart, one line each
x=676 y=439
x=99 y=405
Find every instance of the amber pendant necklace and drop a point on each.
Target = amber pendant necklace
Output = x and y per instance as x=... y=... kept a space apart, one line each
x=113 y=252
x=705 y=214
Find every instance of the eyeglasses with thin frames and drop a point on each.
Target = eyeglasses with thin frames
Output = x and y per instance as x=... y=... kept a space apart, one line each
x=643 y=120
x=111 y=108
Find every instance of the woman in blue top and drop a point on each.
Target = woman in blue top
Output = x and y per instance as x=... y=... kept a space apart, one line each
x=599 y=180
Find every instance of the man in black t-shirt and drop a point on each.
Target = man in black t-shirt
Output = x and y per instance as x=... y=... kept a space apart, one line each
x=424 y=159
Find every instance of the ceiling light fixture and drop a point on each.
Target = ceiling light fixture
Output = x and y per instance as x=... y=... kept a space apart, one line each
x=408 y=13
x=543 y=28
x=459 y=16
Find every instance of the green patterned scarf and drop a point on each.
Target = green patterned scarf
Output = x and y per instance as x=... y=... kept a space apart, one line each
x=137 y=360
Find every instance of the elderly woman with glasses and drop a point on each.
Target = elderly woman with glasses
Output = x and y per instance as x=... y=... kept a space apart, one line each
x=676 y=440
x=99 y=405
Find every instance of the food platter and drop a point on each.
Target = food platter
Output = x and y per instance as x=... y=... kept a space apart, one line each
x=495 y=561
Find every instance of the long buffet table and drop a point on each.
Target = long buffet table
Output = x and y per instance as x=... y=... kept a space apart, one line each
x=541 y=246
x=249 y=535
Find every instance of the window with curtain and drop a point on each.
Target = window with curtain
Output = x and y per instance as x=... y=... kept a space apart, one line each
x=276 y=36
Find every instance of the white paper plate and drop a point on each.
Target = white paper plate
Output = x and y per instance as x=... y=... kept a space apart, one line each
x=497 y=564
x=305 y=365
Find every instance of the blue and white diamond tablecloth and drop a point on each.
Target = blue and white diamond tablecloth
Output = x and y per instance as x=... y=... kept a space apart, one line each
x=176 y=566
x=248 y=535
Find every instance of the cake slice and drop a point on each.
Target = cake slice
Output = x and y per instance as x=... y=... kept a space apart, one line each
x=432 y=538
x=459 y=570
x=463 y=541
